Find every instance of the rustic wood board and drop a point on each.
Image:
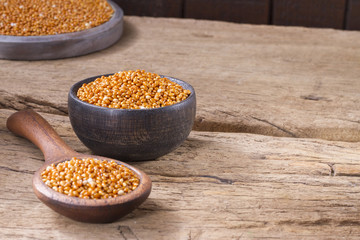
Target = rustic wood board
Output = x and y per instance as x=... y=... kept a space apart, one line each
x=64 y=45
x=154 y=8
x=309 y=13
x=280 y=81
x=215 y=186
x=353 y=15
x=241 y=11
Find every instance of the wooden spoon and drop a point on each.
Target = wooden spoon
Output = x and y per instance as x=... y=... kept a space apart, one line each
x=30 y=125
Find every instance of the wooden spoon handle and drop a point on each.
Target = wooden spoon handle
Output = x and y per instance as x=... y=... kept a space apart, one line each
x=30 y=125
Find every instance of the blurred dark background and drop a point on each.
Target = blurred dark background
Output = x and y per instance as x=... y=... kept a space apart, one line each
x=338 y=14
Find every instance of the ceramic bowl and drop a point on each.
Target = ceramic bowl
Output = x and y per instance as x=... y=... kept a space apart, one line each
x=64 y=45
x=131 y=134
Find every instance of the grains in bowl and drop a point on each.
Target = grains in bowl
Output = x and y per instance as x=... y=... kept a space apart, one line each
x=50 y=17
x=90 y=178
x=132 y=90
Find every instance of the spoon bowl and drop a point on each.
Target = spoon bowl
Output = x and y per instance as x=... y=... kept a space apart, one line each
x=30 y=125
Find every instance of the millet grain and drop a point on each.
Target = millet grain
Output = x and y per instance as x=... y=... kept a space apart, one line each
x=50 y=17
x=132 y=90
x=90 y=178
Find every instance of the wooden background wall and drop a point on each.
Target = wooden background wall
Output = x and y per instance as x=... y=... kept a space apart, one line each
x=339 y=14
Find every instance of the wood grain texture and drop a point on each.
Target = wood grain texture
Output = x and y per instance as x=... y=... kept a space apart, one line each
x=241 y=11
x=291 y=83
x=309 y=13
x=353 y=15
x=215 y=186
x=154 y=8
x=278 y=81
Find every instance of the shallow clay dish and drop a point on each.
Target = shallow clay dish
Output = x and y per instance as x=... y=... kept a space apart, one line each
x=132 y=134
x=64 y=45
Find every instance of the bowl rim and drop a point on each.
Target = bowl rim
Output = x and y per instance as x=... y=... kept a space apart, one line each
x=74 y=88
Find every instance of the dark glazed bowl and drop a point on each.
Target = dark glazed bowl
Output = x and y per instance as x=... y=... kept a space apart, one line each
x=131 y=134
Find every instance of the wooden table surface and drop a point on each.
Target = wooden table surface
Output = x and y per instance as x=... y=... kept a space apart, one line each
x=274 y=153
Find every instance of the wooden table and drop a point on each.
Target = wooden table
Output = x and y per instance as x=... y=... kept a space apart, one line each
x=275 y=149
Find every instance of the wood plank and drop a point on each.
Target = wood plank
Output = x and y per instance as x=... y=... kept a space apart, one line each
x=154 y=8
x=241 y=11
x=279 y=81
x=353 y=15
x=309 y=13
x=214 y=186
